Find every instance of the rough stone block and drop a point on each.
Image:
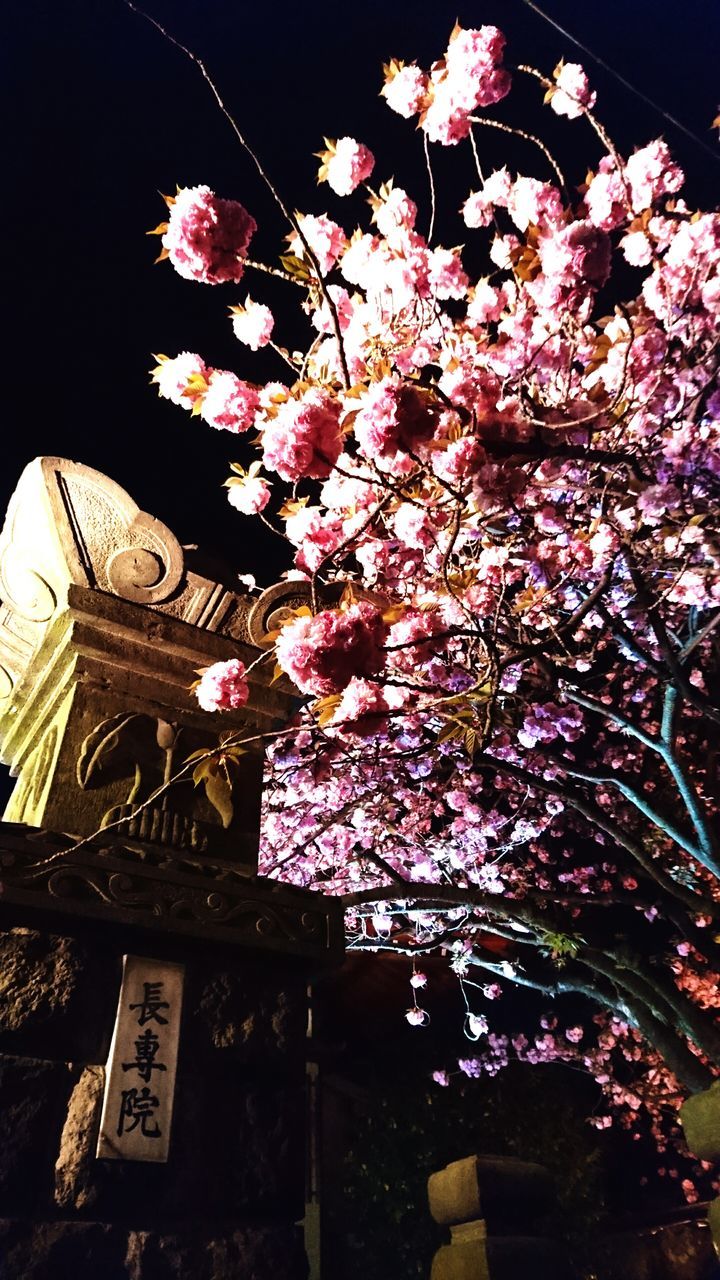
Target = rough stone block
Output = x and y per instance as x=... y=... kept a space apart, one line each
x=61 y=1251
x=56 y=998
x=128 y=1190
x=254 y=1013
x=267 y=1153
x=476 y=1258
x=496 y=1188
x=76 y=1183
x=250 y=1253
x=234 y=1147
x=700 y=1117
x=33 y=1095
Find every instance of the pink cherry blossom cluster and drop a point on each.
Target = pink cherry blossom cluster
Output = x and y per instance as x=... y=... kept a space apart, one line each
x=323 y=654
x=603 y=1051
x=347 y=164
x=208 y=238
x=223 y=686
x=470 y=75
x=253 y=324
x=223 y=400
x=249 y=494
x=505 y=462
x=571 y=95
x=363 y=710
x=303 y=437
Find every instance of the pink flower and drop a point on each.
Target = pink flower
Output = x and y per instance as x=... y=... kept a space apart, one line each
x=405 y=89
x=544 y=722
x=253 y=324
x=348 y=164
x=362 y=710
x=322 y=317
x=415 y=525
x=229 y=404
x=472 y=61
x=652 y=173
x=576 y=254
x=442 y=1078
x=418 y=979
x=396 y=210
x=249 y=495
x=208 y=238
x=656 y=500
x=539 y=203
x=417 y=1017
x=689 y=1191
x=316 y=533
x=606 y=198
x=574 y=1034
x=637 y=248
x=469 y=76
x=223 y=687
x=471 y=1067
x=326 y=239
x=571 y=95
x=322 y=654
x=394 y=416
x=477 y=210
x=475 y=1026
x=462 y=459
x=181 y=379
x=304 y=438
x=487 y=303
x=447 y=276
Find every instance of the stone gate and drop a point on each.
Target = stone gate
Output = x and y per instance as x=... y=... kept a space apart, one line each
x=152 y=986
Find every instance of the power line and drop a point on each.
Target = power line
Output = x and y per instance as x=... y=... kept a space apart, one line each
x=626 y=83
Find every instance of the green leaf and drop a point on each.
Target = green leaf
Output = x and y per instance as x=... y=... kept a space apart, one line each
x=202 y=770
x=219 y=793
x=295 y=267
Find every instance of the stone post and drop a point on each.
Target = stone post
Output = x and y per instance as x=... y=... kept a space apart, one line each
x=104 y=622
x=492 y=1205
x=700 y=1117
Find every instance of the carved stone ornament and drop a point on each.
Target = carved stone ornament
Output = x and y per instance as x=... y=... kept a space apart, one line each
x=145 y=886
x=104 y=626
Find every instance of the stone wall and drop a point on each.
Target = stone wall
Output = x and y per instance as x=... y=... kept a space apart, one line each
x=226 y=1202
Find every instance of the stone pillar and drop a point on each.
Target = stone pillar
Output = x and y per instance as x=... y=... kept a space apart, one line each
x=104 y=623
x=492 y=1205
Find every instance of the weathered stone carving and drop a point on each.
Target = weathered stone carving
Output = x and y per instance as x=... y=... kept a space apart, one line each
x=104 y=625
x=141 y=885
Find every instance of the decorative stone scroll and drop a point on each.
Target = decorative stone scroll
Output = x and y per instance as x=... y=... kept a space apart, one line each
x=140 y=1074
x=104 y=625
x=148 y=886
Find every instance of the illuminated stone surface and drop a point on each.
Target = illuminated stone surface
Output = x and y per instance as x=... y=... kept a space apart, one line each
x=104 y=624
x=480 y=1196
x=700 y=1117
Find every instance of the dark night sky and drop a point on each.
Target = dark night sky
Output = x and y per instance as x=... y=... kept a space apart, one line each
x=101 y=114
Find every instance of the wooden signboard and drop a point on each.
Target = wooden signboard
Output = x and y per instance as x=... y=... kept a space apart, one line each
x=140 y=1073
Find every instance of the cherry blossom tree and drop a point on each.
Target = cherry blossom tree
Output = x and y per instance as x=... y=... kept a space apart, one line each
x=497 y=468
